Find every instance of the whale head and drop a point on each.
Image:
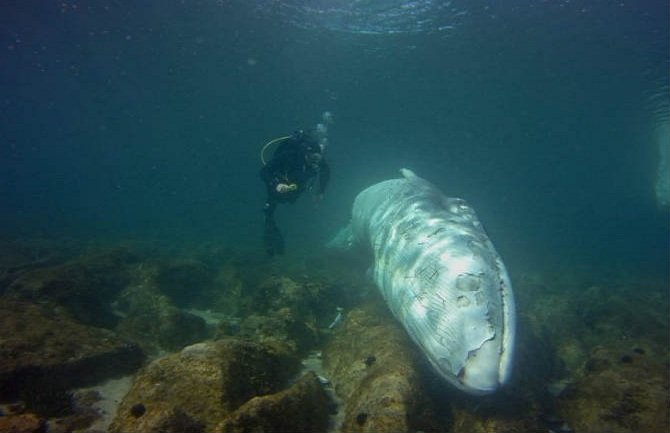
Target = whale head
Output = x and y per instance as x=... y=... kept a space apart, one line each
x=465 y=320
x=458 y=306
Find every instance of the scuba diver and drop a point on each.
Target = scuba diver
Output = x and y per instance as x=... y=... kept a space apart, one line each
x=294 y=166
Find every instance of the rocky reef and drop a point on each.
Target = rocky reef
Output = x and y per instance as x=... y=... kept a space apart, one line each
x=207 y=339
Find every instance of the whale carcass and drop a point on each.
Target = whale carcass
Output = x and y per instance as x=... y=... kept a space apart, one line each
x=441 y=277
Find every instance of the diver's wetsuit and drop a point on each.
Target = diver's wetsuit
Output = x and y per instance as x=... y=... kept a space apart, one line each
x=288 y=166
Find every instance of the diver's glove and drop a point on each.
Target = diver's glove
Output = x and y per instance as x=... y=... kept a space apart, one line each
x=284 y=188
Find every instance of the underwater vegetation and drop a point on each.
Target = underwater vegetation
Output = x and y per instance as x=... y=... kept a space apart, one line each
x=142 y=338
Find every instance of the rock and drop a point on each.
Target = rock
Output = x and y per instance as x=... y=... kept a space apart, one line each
x=284 y=314
x=227 y=293
x=470 y=420
x=150 y=318
x=24 y=423
x=200 y=385
x=44 y=352
x=110 y=289
x=384 y=396
x=17 y=258
x=178 y=421
x=183 y=280
x=283 y=330
x=84 y=286
x=619 y=397
x=313 y=300
x=301 y=408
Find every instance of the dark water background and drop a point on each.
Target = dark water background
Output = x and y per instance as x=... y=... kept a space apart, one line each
x=144 y=120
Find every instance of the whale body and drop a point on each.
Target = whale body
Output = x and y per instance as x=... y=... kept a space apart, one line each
x=441 y=277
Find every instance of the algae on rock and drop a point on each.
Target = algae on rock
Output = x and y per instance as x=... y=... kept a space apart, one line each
x=204 y=382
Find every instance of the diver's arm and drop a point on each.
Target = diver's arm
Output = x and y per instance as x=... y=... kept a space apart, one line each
x=266 y=173
x=269 y=175
x=274 y=176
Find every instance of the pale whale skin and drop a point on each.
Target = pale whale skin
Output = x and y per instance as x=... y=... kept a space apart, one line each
x=441 y=277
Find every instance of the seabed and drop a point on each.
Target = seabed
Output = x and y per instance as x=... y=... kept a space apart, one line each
x=137 y=337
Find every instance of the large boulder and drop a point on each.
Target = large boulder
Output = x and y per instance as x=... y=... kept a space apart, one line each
x=197 y=387
x=303 y=407
x=148 y=317
x=43 y=353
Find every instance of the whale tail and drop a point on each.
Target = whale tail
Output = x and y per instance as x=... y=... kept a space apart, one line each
x=343 y=240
